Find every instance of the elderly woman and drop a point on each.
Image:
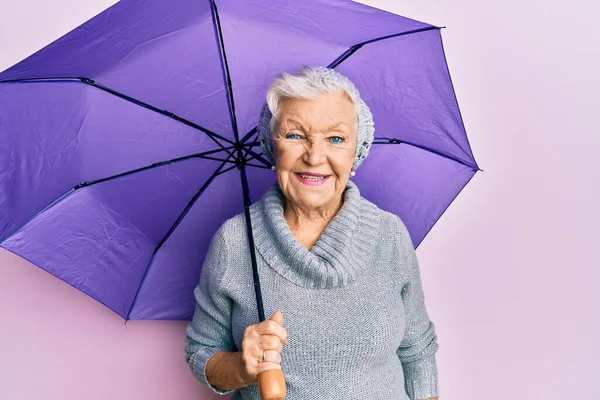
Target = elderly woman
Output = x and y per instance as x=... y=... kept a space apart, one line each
x=342 y=272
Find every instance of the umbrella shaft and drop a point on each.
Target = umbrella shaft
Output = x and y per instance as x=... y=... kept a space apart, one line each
x=246 y=193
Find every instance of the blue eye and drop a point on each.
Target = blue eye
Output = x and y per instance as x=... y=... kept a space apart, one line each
x=294 y=136
x=336 y=139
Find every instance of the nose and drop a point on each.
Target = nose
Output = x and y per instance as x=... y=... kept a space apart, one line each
x=314 y=152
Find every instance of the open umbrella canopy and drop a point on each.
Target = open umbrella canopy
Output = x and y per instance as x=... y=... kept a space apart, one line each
x=123 y=141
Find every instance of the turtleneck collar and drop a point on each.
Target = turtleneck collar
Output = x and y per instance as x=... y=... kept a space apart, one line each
x=343 y=250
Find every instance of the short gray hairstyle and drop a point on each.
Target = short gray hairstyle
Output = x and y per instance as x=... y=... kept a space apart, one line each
x=310 y=83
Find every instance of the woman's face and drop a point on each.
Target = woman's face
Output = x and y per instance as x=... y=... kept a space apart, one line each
x=314 y=148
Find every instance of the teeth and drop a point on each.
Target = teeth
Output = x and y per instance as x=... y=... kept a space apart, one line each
x=312 y=178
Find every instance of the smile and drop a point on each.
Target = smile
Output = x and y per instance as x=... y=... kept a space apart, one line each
x=311 y=180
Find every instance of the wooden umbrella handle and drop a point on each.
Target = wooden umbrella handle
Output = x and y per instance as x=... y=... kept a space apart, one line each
x=271 y=384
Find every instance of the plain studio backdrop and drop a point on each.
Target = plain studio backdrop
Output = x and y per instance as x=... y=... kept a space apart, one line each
x=510 y=270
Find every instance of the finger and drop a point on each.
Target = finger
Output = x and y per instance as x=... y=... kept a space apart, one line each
x=277 y=317
x=269 y=342
x=272 y=356
x=265 y=366
x=251 y=331
x=270 y=327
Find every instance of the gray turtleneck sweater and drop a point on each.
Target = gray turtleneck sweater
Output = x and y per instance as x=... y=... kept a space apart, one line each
x=353 y=305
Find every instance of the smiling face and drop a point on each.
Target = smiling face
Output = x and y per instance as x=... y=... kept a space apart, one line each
x=314 y=148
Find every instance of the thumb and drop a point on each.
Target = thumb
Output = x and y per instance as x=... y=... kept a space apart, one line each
x=277 y=317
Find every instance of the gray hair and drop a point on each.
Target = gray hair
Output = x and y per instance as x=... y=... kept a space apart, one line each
x=310 y=83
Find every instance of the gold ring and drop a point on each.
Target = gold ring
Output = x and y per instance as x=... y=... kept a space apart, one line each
x=263 y=357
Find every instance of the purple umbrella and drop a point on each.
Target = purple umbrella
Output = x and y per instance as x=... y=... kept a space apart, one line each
x=127 y=142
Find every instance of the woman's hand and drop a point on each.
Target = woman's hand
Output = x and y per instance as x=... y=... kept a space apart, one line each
x=269 y=336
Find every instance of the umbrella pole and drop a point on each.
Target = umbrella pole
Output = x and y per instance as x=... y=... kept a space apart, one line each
x=246 y=192
x=271 y=383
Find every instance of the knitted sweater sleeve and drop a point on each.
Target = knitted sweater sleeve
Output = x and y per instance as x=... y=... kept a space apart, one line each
x=417 y=349
x=210 y=329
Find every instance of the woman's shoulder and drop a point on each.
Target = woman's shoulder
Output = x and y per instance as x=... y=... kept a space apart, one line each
x=223 y=245
x=233 y=228
x=389 y=223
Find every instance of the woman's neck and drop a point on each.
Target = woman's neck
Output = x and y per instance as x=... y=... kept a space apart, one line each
x=308 y=224
x=299 y=216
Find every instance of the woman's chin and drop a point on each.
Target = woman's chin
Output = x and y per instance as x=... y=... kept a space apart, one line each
x=315 y=198
x=311 y=196
x=318 y=190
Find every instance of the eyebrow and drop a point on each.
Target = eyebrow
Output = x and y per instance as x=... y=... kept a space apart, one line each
x=329 y=128
x=333 y=126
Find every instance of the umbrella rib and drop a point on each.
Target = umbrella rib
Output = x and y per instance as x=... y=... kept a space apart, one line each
x=257 y=166
x=169 y=114
x=383 y=140
x=225 y=68
x=172 y=229
x=344 y=56
x=249 y=134
x=393 y=35
x=204 y=155
x=84 y=184
x=219 y=159
x=259 y=158
x=248 y=150
x=445 y=209
x=57 y=200
x=227 y=169
x=353 y=50
x=357 y=46
x=214 y=136
x=462 y=122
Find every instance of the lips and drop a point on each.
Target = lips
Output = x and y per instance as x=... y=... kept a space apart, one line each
x=311 y=176
x=311 y=179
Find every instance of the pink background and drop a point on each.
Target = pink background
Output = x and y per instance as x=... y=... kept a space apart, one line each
x=510 y=270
